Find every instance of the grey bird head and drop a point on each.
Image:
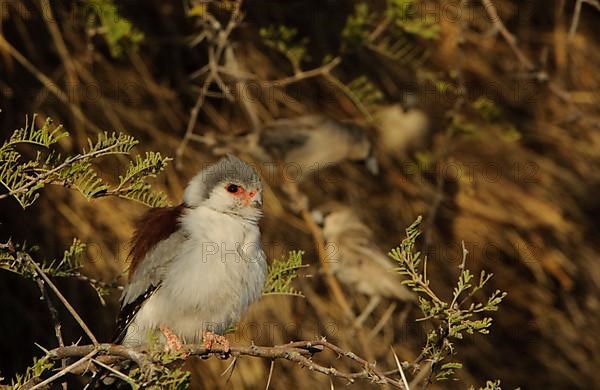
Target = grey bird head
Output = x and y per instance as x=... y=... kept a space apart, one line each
x=230 y=186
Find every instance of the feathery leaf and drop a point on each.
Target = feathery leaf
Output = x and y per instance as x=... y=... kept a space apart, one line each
x=282 y=273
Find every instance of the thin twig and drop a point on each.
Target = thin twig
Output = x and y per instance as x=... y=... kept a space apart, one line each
x=74 y=351
x=302 y=75
x=270 y=375
x=355 y=100
x=52 y=310
x=380 y=29
x=65 y=370
x=229 y=370
x=49 y=84
x=95 y=282
x=400 y=369
x=64 y=301
x=512 y=42
x=507 y=35
x=116 y=372
x=189 y=131
x=577 y=15
x=382 y=321
x=53 y=315
x=215 y=54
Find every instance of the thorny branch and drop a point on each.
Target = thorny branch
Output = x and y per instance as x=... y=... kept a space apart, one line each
x=26 y=258
x=64 y=301
x=54 y=314
x=299 y=352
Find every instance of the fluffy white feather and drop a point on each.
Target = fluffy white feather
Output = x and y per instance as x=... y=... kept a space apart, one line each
x=217 y=274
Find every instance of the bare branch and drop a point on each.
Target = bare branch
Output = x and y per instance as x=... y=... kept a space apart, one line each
x=215 y=54
x=302 y=75
x=47 y=82
x=270 y=374
x=507 y=35
x=66 y=370
x=115 y=372
x=60 y=297
x=576 y=16
x=523 y=59
x=299 y=352
x=54 y=314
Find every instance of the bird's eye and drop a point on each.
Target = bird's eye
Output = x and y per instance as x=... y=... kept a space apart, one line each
x=233 y=188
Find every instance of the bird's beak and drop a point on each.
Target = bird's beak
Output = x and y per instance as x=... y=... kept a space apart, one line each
x=257 y=200
x=372 y=165
x=318 y=217
x=257 y=203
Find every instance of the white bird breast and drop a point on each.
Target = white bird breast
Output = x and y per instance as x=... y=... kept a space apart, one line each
x=220 y=271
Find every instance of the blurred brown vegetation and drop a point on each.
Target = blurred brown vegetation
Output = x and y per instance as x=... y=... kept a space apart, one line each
x=519 y=185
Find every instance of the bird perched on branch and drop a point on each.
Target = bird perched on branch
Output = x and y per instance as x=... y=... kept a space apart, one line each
x=196 y=267
x=356 y=261
x=303 y=144
x=314 y=142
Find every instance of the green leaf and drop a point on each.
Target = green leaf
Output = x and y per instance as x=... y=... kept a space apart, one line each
x=142 y=193
x=70 y=263
x=45 y=136
x=23 y=179
x=365 y=91
x=148 y=166
x=282 y=273
x=15 y=258
x=403 y=14
x=111 y=143
x=487 y=109
x=119 y=33
x=39 y=367
x=357 y=28
x=82 y=177
x=284 y=39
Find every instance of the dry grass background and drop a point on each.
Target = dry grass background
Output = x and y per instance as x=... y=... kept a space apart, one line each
x=527 y=208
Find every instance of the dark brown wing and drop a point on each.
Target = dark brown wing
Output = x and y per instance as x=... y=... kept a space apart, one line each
x=156 y=225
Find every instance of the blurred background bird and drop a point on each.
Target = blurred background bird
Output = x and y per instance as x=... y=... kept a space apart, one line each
x=315 y=142
x=357 y=261
x=401 y=130
x=304 y=144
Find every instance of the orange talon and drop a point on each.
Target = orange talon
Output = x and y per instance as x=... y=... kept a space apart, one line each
x=173 y=343
x=209 y=339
